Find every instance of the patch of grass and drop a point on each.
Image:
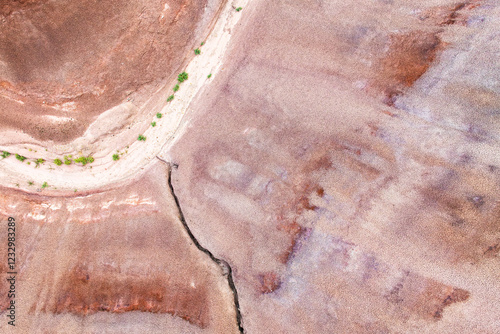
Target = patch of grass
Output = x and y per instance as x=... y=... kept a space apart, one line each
x=67 y=160
x=30 y=183
x=176 y=88
x=141 y=138
x=239 y=9
x=209 y=76
x=58 y=162
x=5 y=154
x=153 y=124
x=158 y=115
x=116 y=157
x=39 y=161
x=170 y=98
x=202 y=43
x=20 y=157
x=197 y=51
x=45 y=185
x=182 y=77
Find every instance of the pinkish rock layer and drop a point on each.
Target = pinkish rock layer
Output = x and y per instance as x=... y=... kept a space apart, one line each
x=74 y=60
x=330 y=167
x=91 y=260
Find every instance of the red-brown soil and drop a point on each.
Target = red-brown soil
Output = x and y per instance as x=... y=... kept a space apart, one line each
x=77 y=59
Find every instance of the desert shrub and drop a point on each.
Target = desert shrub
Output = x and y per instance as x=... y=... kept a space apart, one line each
x=170 y=98
x=176 y=88
x=141 y=138
x=153 y=124
x=182 y=77
x=116 y=157
x=197 y=51
x=5 y=154
x=159 y=115
x=20 y=157
x=58 y=162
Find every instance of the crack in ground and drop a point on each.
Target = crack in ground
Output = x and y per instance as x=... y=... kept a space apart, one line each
x=226 y=268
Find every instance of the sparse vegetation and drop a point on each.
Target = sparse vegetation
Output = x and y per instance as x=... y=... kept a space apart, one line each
x=182 y=77
x=30 y=183
x=209 y=76
x=5 y=154
x=201 y=44
x=58 y=162
x=176 y=88
x=158 y=115
x=84 y=160
x=67 y=159
x=239 y=8
x=141 y=138
x=44 y=185
x=153 y=124
x=39 y=161
x=116 y=157
x=197 y=51
x=170 y=98
x=20 y=157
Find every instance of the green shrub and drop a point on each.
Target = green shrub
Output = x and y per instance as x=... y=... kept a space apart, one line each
x=30 y=183
x=153 y=124
x=116 y=157
x=182 y=77
x=141 y=138
x=197 y=51
x=84 y=160
x=20 y=157
x=239 y=8
x=202 y=43
x=170 y=98
x=58 y=162
x=5 y=154
x=158 y=115
x=209 y=76
x=39 y=161
x=44 y=185
x=176 y=88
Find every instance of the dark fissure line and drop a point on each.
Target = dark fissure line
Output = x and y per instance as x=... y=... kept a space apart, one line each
x=226 y=268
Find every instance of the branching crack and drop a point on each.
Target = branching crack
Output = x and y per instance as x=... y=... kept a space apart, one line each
x=226 y=268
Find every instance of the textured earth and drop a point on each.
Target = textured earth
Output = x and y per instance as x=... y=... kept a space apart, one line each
x=338 y=173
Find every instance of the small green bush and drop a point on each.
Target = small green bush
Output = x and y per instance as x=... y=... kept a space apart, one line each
x=30 y=183
x=153 y=124
x=182 y=77
x=170 y=98
x=202 y=43
x=5 y=154
x=158 y=115
x=239 y=8
x=116 y=157
x=84 y=160
x=20 y=157
x=44 y=185
x=39 y=161
x=58 y=162
x=141 y=138
x=176 y=88
x=209 y=76
x=197 y=51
